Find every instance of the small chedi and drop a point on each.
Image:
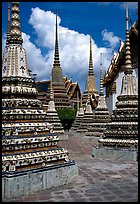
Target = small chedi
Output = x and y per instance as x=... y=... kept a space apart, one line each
x=78 y=118
x=120 y=140
x=31 y=158
x=87 y=118
x=101 y=117
x=52 y=115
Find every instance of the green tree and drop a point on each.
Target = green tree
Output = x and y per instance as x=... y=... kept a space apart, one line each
x=67 y=116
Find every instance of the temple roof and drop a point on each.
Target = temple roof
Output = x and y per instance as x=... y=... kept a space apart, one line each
x=42 y=86
x=68 y=83
x=72 y=89
x=70 y=86
x=118 y=60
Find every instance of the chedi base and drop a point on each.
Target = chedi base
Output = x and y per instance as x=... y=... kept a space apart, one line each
x=119 y=154
x=17 y=184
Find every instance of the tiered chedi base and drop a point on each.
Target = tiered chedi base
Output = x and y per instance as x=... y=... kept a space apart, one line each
x=100 y=119
x=120 y=139
x=78 y=119
x=29 y=149
x=87 y=120
x=17 y=184
x=33 y=164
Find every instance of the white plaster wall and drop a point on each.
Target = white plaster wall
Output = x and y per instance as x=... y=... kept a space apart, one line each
x=109 y=103
x=135 y=72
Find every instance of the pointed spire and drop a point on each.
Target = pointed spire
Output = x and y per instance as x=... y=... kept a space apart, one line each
x=90 y=81
x=15 y=34
x=56 y=54
x=51 y=104
x=51 y=90
x=88 y=108
x=9 y=26
x=128 y=63
x=88 y=98
x=81 y=101
x=90 y=58
x=101 y=79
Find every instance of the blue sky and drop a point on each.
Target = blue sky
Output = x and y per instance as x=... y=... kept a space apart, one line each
x=76 y=20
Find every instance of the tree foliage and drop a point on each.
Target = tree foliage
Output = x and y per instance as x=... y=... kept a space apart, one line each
x=67 y=116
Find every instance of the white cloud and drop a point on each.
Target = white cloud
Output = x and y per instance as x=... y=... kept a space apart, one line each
x=110 y=39
x=3 y=41
x=43 y=23
x=106 y=3
x=131 y=5
x=73 y=49
x=36 y=62
x=122 y=5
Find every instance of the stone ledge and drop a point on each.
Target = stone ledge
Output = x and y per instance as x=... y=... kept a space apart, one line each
x=19 y=184
x=120 y=154
x=63 y=136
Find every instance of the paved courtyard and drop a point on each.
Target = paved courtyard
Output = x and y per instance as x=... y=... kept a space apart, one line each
x=99 y=180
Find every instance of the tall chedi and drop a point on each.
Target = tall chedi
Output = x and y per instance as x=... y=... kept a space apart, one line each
x=60 y=94
x=90 y=84
x=120 y=139
x=101 y=116
x=31 y=158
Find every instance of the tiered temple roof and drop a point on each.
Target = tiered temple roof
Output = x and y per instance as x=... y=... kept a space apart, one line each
x=73 y=91
x=72 y=88
x=122 y=132
x=90 y=84
x=101 y=116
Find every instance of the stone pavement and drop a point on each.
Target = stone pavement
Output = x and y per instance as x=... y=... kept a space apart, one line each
x=99 y=180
